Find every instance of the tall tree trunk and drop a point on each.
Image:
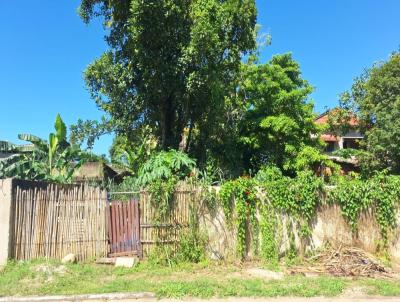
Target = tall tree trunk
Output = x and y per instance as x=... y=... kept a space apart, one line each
x=168 y=136
x=189 y=137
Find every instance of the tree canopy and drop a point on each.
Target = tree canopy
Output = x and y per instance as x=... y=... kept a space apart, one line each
x=175 y=74
x=375 y=97
x=278 y=117
x=169 y=62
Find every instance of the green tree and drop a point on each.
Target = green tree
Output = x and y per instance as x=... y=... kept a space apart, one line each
x=278 y=119
x=132 y=154
x=375 y=98
x=169 y=64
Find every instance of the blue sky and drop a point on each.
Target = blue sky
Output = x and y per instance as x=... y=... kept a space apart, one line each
x=45 y=47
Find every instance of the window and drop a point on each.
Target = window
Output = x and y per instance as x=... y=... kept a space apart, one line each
x=330 y=147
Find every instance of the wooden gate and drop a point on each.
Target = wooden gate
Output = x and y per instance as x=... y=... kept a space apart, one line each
x=124 y=228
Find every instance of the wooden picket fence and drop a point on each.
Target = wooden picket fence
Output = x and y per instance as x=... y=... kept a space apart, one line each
x=50 y=221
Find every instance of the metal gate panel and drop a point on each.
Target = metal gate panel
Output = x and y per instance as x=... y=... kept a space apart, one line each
x=124 y=228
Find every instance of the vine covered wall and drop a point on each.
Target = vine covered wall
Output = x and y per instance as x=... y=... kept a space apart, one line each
x=287 y=217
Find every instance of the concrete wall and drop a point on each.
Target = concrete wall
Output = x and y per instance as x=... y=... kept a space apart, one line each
x=222 y=243
x=5 y=219
x=329 y=225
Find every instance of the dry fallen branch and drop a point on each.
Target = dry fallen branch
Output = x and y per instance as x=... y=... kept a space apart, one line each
x=344 y=262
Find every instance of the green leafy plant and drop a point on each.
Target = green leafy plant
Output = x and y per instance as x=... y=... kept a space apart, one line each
x=160 y=174
x=192 y=243
x=131 y=153
x=348 y=153
x=269 y=235
x=375 y=100
x=380 y=192
x=270 y=194
x=312 y=159
x=239 y=198
x=165 y=165
x=55 y=159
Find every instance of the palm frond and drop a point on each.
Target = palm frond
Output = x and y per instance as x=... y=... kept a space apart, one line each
x=7 y=146
x=37 y=141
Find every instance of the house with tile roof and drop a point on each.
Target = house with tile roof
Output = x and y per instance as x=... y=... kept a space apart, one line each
x=334 y=142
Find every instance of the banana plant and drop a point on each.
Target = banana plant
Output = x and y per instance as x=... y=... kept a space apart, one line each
x=55 y=159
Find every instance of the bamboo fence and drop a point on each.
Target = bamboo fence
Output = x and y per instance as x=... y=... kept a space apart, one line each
x=155 y=230
x=51 y=221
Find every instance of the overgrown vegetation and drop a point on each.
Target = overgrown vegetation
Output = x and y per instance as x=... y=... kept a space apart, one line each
x=380 y=193
x=273 y=195
x=374 y=100
x=159 y=176
x=239 y=200
x=269 y=194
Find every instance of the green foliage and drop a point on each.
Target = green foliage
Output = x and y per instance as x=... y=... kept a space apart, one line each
x=348 y=153
x=192 y=243
x=54 y=160
x=174 y=69
x=161 y=192
x=132 y=153
x=269 y=193
x=268 y=173
x=341 y=119
x=129 y=184
x=170 y=63
x=312 y=159
x=277 y=118
x=380 y=192
x=163 y=255
x=239 y=198
x=375 y=97
x=160 y=175
x=165 y=165
x=191 y=247
x=88 y=131
x=298 y=197
x=269 y=235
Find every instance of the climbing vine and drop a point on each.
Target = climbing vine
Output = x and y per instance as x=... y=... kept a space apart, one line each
x=297 y=197
x=268 y=230
x=380 y=192
x=239 y=197
x=256 y=202
x=161 y=192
